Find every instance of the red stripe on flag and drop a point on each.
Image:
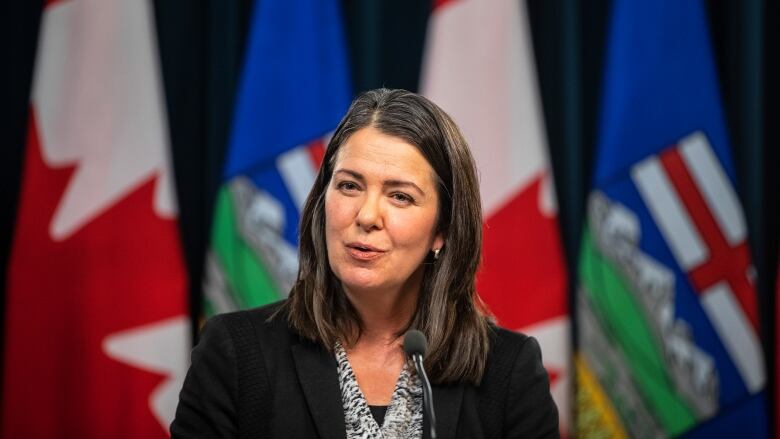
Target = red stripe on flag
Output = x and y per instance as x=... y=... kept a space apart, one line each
x=316 y=150
x=726 y=263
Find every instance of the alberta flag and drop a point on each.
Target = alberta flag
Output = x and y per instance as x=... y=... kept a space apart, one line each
x=293 y=92
x=667 y=314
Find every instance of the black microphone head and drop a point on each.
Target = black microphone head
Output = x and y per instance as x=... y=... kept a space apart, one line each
x=415 y=343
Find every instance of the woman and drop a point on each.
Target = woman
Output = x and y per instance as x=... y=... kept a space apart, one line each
x=390 y=239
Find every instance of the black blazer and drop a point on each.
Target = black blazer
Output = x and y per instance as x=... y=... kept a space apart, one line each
x=250 y=377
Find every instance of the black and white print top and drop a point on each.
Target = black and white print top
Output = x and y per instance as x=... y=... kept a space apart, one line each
x=404 y=417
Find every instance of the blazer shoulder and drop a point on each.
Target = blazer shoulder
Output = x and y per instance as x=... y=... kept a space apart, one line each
x=514 y=353
x=518 y=370
x=262 y=318
x=259 y=314
x=507 y=345
x=506 y=336
x=259 y=329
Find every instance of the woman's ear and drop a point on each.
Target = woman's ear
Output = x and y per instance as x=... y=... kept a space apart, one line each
x=438 y=241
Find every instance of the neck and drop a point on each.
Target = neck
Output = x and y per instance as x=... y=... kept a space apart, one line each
x=384 y=314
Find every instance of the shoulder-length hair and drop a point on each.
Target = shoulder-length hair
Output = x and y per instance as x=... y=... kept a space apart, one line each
x=449 y=311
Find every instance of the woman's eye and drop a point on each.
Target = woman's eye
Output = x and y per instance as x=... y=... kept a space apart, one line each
x=403 y=198
x=347 y=186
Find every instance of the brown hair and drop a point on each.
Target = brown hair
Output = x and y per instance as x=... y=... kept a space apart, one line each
x=448 y=311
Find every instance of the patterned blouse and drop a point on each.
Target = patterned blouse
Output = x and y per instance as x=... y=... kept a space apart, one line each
x=404 y=417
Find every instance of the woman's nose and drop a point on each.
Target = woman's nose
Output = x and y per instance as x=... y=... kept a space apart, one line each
x=369 y=216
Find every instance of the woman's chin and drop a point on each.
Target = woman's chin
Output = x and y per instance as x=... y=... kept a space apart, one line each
x=363 y=281
x=356 y=285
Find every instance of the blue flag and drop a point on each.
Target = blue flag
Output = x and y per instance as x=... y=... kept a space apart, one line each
x=294 y=90
x=667 y=312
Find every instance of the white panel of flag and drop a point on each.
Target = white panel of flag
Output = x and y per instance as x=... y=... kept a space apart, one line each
x=298 y=173
x=737 y=334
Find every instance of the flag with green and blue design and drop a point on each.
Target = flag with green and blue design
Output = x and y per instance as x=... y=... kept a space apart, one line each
x=666 y=309
x=294 y=89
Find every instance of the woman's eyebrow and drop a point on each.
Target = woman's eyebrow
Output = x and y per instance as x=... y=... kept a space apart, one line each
x=403 y=183
x=387 y=183
x=354 y=174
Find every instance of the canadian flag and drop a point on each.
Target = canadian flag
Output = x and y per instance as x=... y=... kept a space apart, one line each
x=97 y=333
x=479 y=67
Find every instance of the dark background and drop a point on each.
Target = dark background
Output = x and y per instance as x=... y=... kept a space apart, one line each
x=201 y=47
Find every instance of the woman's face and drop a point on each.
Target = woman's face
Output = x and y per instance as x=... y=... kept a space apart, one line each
x=380 y=213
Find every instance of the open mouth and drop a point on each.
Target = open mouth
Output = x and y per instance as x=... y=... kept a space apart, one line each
x=363 y=252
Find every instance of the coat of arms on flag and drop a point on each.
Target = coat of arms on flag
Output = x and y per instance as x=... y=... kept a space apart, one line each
x=294 y=90
x=255 y=231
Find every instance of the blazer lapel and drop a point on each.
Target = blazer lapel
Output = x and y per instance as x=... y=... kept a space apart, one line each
x=446 y=405
x=317 y=372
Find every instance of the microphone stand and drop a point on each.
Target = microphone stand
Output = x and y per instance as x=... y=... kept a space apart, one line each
x=427 y=392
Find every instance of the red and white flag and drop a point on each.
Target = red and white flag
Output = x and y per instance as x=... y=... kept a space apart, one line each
x=479 y=67
x=97 y=333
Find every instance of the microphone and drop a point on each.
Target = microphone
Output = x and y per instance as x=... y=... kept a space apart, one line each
x=414 y=346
